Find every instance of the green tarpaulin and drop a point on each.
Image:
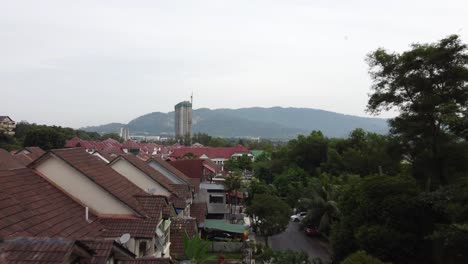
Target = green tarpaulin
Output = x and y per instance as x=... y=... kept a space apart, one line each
x=224 y=226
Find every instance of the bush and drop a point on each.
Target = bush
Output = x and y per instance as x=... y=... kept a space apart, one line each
x=361 y=257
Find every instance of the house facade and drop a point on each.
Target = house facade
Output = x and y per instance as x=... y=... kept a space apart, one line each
x=120 y=205
x=7 y=125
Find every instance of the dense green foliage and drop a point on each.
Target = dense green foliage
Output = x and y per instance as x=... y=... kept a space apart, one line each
x=46 y=137
x=361 y=257
x=402 y=197
x=428 y=85
x=195 y=248
x=272 y=214
x=241 y=163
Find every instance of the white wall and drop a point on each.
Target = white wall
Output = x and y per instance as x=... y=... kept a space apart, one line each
x=174 y=179
x=138 y=177
x=81 y=187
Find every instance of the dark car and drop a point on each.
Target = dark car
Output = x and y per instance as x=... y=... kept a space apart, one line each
x=312 y=231
x=220 y=237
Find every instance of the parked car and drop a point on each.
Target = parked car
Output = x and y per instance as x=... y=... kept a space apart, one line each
x=312 y=231
x=298 y=217
x=222 y=236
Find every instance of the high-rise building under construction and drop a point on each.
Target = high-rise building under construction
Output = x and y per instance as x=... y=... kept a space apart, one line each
x=183 y=119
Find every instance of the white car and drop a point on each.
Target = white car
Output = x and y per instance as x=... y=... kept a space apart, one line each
x=298 y=217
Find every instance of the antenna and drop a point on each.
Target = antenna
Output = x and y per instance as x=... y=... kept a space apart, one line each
x=87 y=214
x=124 y=238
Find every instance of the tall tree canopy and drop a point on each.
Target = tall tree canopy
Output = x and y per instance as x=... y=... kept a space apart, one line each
x=272 y=214
x=428 y=85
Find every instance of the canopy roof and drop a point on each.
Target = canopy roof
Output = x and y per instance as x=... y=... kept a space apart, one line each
x=224 y=226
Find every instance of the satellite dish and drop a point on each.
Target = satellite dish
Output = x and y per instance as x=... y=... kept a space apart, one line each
x=124 y=238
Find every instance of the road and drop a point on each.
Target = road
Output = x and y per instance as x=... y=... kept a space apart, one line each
x=295 y=239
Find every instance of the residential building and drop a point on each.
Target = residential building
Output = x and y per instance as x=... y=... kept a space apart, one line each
x=218 y=155
x=121 y=206
x=152 y=181
x=7 y=125
x=183 y=119
x=170 y=172
x=198 y=170
x=214 y=195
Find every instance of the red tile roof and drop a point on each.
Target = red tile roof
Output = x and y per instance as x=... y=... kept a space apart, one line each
x=199 y=211
x=212 y=166
x=154 y=206
x=178 y=228
x=102 y=249
x=31 y=205
x=140 y=228
x=210 y=152
x=105 y=155
x=182 y=194
x=182 y=190
x=193 y=168
x=105 y=248
x=8 y=162
x=27 y=155
x=34 y=152
x=148 y=261
x=98 y=171
x=41 y=250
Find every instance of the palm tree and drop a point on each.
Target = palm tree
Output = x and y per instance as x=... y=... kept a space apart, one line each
x=233 y=183
x=320 y=202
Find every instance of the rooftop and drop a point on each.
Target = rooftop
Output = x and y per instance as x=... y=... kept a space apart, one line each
x=97 y=170
x=42 y=250
x=30 y=205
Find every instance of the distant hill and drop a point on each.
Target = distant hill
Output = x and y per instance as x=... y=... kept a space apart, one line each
x=275 y=122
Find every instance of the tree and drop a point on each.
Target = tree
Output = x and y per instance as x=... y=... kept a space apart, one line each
x=385 y=217
x=283 y=257
x=428 y=84
x=45 y=138
x=290 y=184
x=218 y=142
x=272 y=214
x=201 y=138
x=320 y=202
x=243 y=162
x=233 y=184
x=8 y=142
x=257 y=186
x=196 y=248
x=361 y=257
x=308 y=152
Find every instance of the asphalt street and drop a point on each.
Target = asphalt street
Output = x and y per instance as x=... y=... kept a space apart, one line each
x=295 y=239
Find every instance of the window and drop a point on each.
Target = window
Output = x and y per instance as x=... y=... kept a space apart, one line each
x=142 y=249
x=216 y=198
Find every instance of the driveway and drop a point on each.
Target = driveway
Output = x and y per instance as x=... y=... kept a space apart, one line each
x=295 y=239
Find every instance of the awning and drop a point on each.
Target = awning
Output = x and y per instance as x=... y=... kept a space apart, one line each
x=224 y=226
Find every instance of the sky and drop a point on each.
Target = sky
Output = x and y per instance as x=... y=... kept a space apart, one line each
x=81 y=63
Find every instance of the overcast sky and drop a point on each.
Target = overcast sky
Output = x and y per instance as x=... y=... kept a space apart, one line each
x=79 y=63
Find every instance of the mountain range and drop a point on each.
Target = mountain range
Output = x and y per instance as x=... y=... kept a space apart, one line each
x=273 y=123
